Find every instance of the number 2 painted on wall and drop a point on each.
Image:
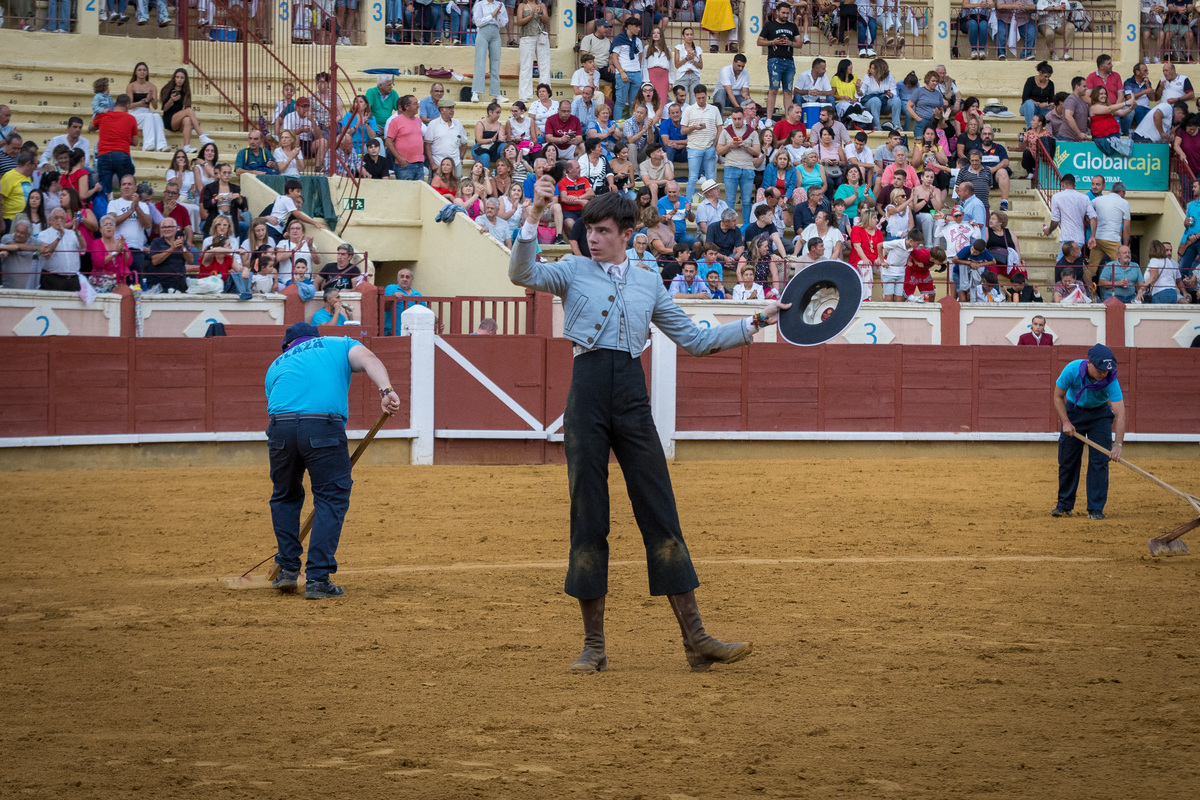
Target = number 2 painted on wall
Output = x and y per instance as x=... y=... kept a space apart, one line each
x=754 y=25
x=1131 y=32
x=378 y=9
x=943 y=29
x=91 y=6
x=568 y=17
x=46 y=326
x=284 y=16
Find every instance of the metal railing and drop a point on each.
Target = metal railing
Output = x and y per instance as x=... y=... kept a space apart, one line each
x=1084 y=32
x=899 y=32
x=1181 y=179
x=448 y=24
x=462 y=314
x=1049 y=179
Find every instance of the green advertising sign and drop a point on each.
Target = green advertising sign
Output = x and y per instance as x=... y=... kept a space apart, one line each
x=1146 y=169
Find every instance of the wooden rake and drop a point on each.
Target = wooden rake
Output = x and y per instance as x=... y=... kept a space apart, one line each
x=1169 y=544
x=246 y=581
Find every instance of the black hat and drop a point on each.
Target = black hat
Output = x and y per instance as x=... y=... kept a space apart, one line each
x=301 y=330
x=1102 y=358
x=824 y=286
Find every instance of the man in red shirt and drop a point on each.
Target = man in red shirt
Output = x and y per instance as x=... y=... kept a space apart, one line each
x=405 y=141
x=118 y=129
x=791 y=122
x=574 y=192
x=564 y=132
x=170 y=207
x=1104 y=76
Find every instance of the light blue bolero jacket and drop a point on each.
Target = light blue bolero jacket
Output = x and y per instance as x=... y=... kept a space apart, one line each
x=593 y=305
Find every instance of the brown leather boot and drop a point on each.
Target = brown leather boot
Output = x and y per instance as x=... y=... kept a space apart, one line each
x=705 y=650
x=593 y=658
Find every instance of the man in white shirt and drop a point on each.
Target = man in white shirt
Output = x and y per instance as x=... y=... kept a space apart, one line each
x=586 y=75
x=1174 y=87
x=58 y=248
x=812 y=85
x=304 y=125
x=1156 y=125
x=1112 y=226
x=133 y=219
x=489 y=16
x=733 y=85
x=1070 y=211
x=699 y=123
x=71 y=139
x=445 y=137
x=858 y=154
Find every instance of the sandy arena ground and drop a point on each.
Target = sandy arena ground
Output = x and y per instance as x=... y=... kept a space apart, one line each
x=923 y=629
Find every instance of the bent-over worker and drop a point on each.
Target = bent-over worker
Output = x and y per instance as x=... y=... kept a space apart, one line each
x=1089 y=401
x=306 y=399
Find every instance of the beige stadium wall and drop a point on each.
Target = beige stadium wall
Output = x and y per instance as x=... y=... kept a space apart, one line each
x=100 y=54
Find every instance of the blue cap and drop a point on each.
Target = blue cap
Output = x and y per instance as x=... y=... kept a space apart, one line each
x=301 y=330
x=1102 y=358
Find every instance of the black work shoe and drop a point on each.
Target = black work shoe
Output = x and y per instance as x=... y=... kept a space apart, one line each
x=285 y=581
x=1096 y=515
x=321 y=590
x=1061 y=512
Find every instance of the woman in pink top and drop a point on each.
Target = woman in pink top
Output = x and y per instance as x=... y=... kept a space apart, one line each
x=111 y=259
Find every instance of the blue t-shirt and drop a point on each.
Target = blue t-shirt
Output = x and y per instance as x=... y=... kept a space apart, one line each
x=667 y=211
x=667 y=129
x=428 y=108
x=1070 y=381
x=312 y=377
x=966 y=254
x=530 y=180
x=703 y=268
x=323 y=317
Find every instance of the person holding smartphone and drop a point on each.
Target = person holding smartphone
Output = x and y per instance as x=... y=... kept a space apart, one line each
x=169 y=259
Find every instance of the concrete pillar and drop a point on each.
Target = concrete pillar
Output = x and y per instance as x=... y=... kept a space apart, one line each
x=564 y=26
x=418 y=323
x=88 y=22
x=1128 y=34
x=749 y=27
x=942 y=37
x=374 y=18
x=950 y=311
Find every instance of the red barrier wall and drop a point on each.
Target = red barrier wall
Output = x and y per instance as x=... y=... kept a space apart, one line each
x=74 y=385
x=777 y=387
x=83 y=385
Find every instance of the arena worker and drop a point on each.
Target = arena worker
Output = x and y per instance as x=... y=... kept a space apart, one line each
x=306 y=400
x=608 y=408
x=1088 y=399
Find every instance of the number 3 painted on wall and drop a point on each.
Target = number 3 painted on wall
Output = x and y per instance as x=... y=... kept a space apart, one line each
x=378 y=9
x=754 y=25
x=568 y=17
x=943 y=29
x=284 y=16
x=1131 y=35
x=870 y=326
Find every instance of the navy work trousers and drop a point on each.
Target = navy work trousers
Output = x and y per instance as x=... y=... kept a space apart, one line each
x=316 y=444
x=608 y=408
x=1095 y=424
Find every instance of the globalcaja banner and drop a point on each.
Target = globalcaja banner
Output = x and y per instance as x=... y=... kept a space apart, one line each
x=1145 y=170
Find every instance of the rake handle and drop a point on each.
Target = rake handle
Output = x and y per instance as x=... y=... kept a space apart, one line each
x=307 y=526
x=1189 y=498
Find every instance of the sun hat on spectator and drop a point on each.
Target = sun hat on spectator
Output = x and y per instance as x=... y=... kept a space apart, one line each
x=301 y=330
x=446 y=102
x=303 y=101
x=603 y=23
x=707 y=185
x=957 y=211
